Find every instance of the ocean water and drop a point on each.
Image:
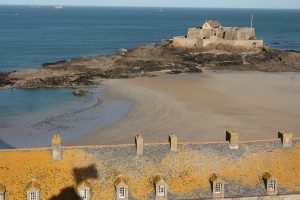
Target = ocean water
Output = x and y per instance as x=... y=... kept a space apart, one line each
x=30 y=37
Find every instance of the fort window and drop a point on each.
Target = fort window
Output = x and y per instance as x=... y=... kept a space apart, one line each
x=33 y=196
x=84 y=191
x=121 y=188
x=33 y=190
x=122 y=193
x=83 y=194
x=272 y=185
x=218 y=188
x=161 y=190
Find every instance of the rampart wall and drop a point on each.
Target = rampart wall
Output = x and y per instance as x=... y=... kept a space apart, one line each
x=190 y=43
x=182 y=41
x=243 y=43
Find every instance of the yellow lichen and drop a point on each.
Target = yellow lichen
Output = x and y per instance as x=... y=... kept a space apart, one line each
x=185 y=171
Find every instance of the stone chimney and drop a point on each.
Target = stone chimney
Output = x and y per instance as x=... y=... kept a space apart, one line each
x=233 y=138
x=173 y=142
x=56 y=148
x=286 y=139
x=139 y=142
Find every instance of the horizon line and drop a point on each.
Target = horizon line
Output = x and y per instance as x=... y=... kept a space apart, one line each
x=131 y=6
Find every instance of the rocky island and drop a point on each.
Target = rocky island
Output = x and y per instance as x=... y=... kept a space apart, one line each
x=151 y=60
x=211 y=46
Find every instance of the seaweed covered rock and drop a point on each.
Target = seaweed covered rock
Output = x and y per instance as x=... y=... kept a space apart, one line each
x=81 y=93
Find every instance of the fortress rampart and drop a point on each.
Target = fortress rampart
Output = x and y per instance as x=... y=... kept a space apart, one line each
x=233 y=169
x=212 y=32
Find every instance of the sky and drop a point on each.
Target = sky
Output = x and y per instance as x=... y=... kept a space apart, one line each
x=285 y=4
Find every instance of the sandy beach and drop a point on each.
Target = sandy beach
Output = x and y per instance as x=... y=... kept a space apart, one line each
x=201 y=107
x=195 y=107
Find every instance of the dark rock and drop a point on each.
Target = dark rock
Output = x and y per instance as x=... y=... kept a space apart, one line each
x=54 y=63
x=4 y=80
x=174 y=72
x=209 y=58
x=81 y=93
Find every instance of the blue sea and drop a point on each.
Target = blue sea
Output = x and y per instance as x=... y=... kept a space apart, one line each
x=31 y=36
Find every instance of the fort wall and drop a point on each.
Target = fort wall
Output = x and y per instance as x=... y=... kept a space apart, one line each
x=243 y=43
x=216 y=34
x=190 y=43
x=181 y=41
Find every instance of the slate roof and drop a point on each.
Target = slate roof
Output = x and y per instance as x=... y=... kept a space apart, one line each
x=33 y=185
x=267 y=175
x=158 y=179
x=214 y=178
x=2 y=188
x=187 y=172
x=120 y=180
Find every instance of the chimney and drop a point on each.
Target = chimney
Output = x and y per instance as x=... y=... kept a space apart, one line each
x=233 y=138
x=173 y=142
x=139 y=141
x=56 y=148
x=286 y=139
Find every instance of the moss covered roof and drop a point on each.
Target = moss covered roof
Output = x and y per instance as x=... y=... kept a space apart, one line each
x=33 y=185
x=2 y=188
x=186 y=172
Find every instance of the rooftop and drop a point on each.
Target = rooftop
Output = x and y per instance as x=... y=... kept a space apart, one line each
x=187 y=171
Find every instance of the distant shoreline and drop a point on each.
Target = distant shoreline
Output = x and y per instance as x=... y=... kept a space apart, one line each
x=149 y=61
x=158 y=7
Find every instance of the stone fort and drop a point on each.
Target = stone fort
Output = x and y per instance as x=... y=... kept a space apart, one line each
x=212 y=32
x=232 y=170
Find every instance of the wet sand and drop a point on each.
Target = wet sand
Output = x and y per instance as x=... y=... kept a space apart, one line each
x=201 y=107
x=89 y=114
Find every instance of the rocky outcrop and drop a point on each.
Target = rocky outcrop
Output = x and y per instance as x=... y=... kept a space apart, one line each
x=81 y=93
x=4 y=80
x=151 y=60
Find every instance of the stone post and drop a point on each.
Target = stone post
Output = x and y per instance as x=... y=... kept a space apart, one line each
x=56 y=148
x=173 y=142
x=139 y=141
x=233 y=138
x=286 y=139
